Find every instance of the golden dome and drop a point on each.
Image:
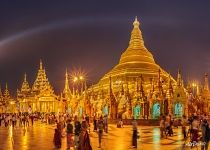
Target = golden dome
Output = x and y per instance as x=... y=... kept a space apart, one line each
x=136 y=60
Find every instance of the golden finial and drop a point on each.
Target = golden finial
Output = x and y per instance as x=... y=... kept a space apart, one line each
x=40 y=65
x=136 y=22
x=66 y=73
x=25 y=77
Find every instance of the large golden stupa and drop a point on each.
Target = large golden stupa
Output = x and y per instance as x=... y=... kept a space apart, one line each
x=136 y=61
x=136 y=86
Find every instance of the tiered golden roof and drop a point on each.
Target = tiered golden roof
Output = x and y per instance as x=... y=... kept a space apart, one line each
x=6 y=93
x=25 y=88
x=41 y=84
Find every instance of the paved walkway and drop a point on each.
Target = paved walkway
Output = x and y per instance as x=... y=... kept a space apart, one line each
x=40 y=137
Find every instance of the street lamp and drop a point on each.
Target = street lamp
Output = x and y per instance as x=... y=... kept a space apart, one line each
x=75 y=79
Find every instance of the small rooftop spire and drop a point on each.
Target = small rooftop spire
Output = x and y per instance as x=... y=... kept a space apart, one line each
x=25 y=77
x=206 y=82
x=179 y=78
x=66 y=88
x=136 y=23
x=40 y=65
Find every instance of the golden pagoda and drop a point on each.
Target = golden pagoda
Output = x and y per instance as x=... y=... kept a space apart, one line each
x=39 y=98
x=136 y=61
x=6 y=93
x=25 y=88
x=139 y=86
x=24 y=96
x=10 y=103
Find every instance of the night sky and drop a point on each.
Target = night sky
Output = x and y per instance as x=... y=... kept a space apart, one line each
x=91 y=36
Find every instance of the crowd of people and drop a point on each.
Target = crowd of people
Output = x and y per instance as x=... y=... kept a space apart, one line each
x=76 y=130
x=17 y=120
x=195 y=129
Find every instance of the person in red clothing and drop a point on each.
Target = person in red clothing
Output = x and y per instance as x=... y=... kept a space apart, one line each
x=84 y=139
x=57 y=138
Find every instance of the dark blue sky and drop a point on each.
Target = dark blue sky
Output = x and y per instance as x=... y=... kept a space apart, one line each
x=92 y=35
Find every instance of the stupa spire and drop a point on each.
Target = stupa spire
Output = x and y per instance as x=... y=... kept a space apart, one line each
x=179 y=78
x=6 y=92
x=170 y=87
x=41 y=83
x=206 y=82
x=25 y=86
x=40 y=65
x=25 y=77
x=136 y=40
x=66 y=88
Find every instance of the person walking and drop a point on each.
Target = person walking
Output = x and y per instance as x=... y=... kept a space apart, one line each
x=195 y=129
x=135 y=133
x=32 y=119
x=69 y=131
x=100 y=130
x=13 y=121
x=57 y=138
x=162 y=125
x=77 y=129
x=94 y=124
x=105 y=121
x=84 y=139
x=205 y=135
x=184 y=124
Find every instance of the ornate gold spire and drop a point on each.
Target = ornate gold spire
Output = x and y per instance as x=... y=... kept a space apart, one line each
x=135 y=60
x=6 y=92
x=66 y=88
x=179 y=78
x=40 y=65
x=170 y=87
x=136 y=40
x=206 y=82
x=41 y=83
x=169 y=93
x=25 y=85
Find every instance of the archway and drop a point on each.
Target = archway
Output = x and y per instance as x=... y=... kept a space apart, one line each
x=106 y=110
x=178 y=109
x=136 y=112
x=156 y=110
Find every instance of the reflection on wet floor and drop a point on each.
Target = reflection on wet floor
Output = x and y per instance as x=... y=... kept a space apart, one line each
x=40 y=136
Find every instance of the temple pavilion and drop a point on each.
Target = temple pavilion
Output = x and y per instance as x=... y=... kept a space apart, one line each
x=40 y=97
